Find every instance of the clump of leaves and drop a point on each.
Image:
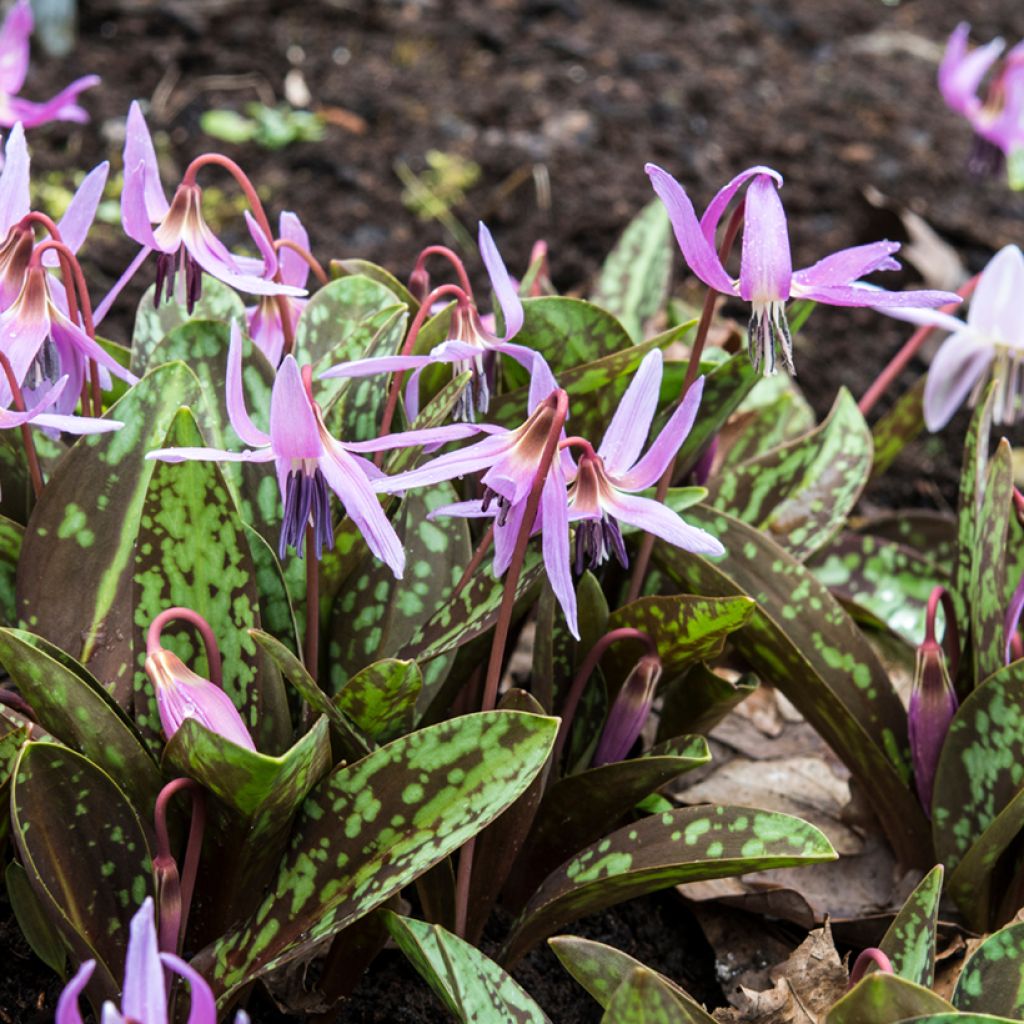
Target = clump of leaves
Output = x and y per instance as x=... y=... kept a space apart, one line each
x=270 y=127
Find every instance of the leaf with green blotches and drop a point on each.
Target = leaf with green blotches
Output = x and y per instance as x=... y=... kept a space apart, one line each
x=370 y=828
x=691 y=844
x=10 y=551
x=602 y=970
x=85 y=528
x=909 y=942
x=152 y=325
x=192 y=552
x=44 y=940
x=634 y=279
x=978 y=803
x=381 y=698
x=85 y=853
x=884 y=998
x=992 y=980
x=699 y=699
x=364 y=268
x=338 y=321
x=802 y=492
x=276 y=609
x=898 y=427
x=15 y=732
x=376 y=616
x=578 y=809
x=570 y=332
x=474 y=989
x=645 y=998
x=74 y=708
x=802 y=641
x=773 y=414
x=889 y=582
x=929 y=533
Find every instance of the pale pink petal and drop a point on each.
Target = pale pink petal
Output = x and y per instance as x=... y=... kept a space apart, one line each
x=67 y=332
x=996 y=305
x=959 y=364
x=68 y=1011
x=210 y=455
x=849 y=264
x=698 y=252
x=542 y=382
x=464 y=510
x=378 y=364
x=879 y=298
x=202 y=1007
x=414 y=438
x=10 y=418
x=76 y=424
x=143 y=997
x=108 y=300
x=294 y=431
x=925 y=317
x=135 y=217
x=267 y=266
x=235 y=394
x=78 y=217
x=555 y=545
x=62 y=107
x=470 y=459
x=14 y=195
x=505 y=536
x=713 y=214
x=766 y=267
x=111 y=1014
x=138 y=150
x=503 y=285
x=294 y=269
x=624 y=439
x=14 y=47
x=961 y=72
x=655 y=518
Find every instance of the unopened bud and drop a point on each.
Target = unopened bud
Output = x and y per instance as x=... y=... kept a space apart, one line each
x=181 y=694
x=629 y=712
x=419 y=283
x=933 y=704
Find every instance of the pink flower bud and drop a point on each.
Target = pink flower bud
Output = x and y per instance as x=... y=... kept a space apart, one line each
x=629 y=712
x=933 y=704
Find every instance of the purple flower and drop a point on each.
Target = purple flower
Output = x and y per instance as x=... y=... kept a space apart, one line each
x=14 y=56
x=932 y=706
x=181 y=694
x=998 y=119
x=471 y=344
x=144 y=995
x=309 y=461
x=178 y=231
x=604 y=491
x=767 y=279
x=629 y=712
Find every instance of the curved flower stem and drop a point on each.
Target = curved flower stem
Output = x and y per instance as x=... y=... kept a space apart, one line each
x=420 y=270
x=910 y=348
x=175 y=890
x=312 y=605
x=586 y=670
x=205 y=631
x=44 y=221
x=34 y=472
x=643 y=557
x=578 y=442
x=313 y=263
x=950 y=638
x=462 y=297
x=474 y=562
x=864 y=960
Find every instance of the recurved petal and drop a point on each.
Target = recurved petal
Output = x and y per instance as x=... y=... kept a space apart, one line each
x=506 y=534
x=76 y=424
x=237 y=413
x=210 y=455
x=713 y=214
x=624 y=439
x=698 y=252
x=78 y=217
x=294 y=431
x=428 y=435
x=868 y=295
x=14 y=197
x=766 y=267
x=995 y=309
x=14 y=47
x=10 y=418
x=202 y=1006
x=139 y=152
x=268 y=267
x=961 y=72
x=378 y=364
x=502 y=283
x=65 y=331
x=294 y=269
x=849 y=264
x=653 y=517
x=470 y=459
x=68 y=1011
x=555 y=545
x=143 y=997
x=959 y=364
x=135 y=216
x=62 y=107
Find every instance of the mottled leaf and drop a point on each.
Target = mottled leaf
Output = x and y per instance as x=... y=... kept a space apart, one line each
x=644 y=998
x=44 y=940
x=698 y=700
x=909 y=941
x=474 y=990
x=381 y=698
x=570 y=332
x=898 y=427
x=773 y=414
x=885 y=998
x=929 y=533
x=992 y=980
x=10 y=551
x=370 y=828
x=687 y=845
x=364 y=268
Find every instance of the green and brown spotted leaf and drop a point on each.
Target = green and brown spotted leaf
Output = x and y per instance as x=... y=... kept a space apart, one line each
x=686 y=845
x=802 y=492
x=579 y=809
x=602 y=970
x=36 y=928
x=978 y=802
x=887 y=581
x=885 y=999
x=75 y=708
x=699 y=699
x=85 y=853
x=192 y=551
x=85 y=529
x=371 y=828
x=634 y=279
x=152 y=324
x=474 y=989
x=645 y=998
x=802 y=641
x=381 y=698
x=364 y=268
x=992 y=980
x=898 y=427
x=10 y=552
x=570 y=332
x=909 y=941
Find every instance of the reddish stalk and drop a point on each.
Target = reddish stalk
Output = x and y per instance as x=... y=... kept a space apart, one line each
x=311 y=261
x=474 y=562
x=34 y=472
x=643 y=557
x=205 y=631
x=312 y=648
x=174 y=889
x=419 y=270
x=950 y=637
x=910 y=349
x=866 y=958
x=35 y=217
x=586 y=670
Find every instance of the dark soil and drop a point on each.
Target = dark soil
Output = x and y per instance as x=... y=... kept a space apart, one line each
x=560 y=102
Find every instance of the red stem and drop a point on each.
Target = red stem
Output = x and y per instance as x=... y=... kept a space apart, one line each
x=174 y=919
x=34 y=472
x=950 y=638
x=205 y=631
x=35 y=217
x=578 y=442
x=864 y=960
x=451 y=256
x=313 y=263
x=474 y=562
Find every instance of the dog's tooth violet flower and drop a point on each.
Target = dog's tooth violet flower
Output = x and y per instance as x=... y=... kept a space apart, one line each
x=767 y=279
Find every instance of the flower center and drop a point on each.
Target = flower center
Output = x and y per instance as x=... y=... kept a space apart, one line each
x=306 y=503
x=166 y=270
x=598 y=536
x=767 y=334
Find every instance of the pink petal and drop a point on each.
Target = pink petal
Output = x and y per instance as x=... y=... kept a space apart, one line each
x=294 y=431
x=503 y=285
x=294 y=269
x=111 y=1014
x=143 y=997
x=78 y=217
x=505 y=536
x=624 y=439
x=961 y=72
x=463 y=510
x=379 y=364
x=879 y=298
x=849 y=264
x=108 y=300
x=9 y=418
x=135 y=216
x=210 y=455
x=698 y=252
x=995 y=309
x=76 y=424
x=14 y=47
x=655 y=518
x=713 y=214
x=663 y=450
x=470 y=459
x=959 y=364
x=925 y=317
x=69 y=333
x=268 y=267
x=414 y=438
x=14 y=196
x=68 y=1011
x=138 y=150
x=542 y=382
x=555 y=545
x=202 y=1006
x=235 y=394
x=765 y=265
x=62 y=107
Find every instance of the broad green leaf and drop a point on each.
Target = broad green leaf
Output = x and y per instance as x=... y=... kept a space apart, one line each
x=474 y=990
x=909 y=941
x=691 y=844
x=992 y=980
x=602 y=969
x=570 y=332
x=370 y=828
x=644 y=998
x=153 y=324
x=192 y=551
x=698 y=700
x=10 y=551
x=364 y=268
x=579 y=809
x=929 y=533
x=773 y=414
x=85 y=853
x=15 y=732
x=802 y=641
x=43 y=939
x=85 y=529
x=802 y=492
x=75 y=708
x=381 y=698
x=883 y=998
x=633 y=283
x=898 y=427
x=566 y=651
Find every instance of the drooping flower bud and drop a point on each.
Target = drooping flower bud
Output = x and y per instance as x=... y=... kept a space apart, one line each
x=181 y=694
x=629 y=712
x=872 y=957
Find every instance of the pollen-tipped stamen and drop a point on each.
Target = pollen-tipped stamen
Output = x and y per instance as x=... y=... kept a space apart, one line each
x=768 y=334
x=306 y=502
